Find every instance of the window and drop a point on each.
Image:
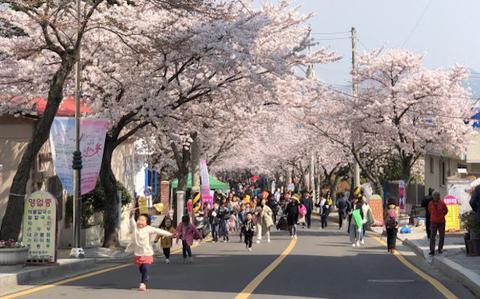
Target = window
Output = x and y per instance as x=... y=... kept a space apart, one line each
x=432 y=166
x=441 y=165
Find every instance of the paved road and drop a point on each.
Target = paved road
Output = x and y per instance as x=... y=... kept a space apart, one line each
x=322 y=265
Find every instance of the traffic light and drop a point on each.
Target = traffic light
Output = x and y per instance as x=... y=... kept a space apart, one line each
x=77 y=160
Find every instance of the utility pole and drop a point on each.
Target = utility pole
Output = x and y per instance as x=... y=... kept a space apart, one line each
x=310 y=73
x=356 y=167
x=312 y=178
x=77 y=250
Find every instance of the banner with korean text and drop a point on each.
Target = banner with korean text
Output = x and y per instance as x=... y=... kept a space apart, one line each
x=92 y=141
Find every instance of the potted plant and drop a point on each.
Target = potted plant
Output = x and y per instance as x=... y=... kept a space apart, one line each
x=472 y=237
x=12 y=253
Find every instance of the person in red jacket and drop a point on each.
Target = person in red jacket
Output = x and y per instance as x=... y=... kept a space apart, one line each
x=438 y=209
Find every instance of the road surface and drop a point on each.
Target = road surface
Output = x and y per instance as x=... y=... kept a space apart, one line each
x=321 y=264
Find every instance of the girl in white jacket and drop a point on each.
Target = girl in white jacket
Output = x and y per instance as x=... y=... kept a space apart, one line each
x=141 y=244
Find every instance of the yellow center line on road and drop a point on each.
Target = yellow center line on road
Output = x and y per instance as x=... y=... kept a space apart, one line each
x=250 y=288
x=434 y=282
x=80 y=277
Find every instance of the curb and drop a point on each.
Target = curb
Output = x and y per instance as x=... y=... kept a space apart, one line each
x=453 y=270
x=10 y=280
x=467 y=277
x=418 y=251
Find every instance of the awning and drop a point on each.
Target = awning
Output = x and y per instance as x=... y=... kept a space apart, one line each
x=214 y=183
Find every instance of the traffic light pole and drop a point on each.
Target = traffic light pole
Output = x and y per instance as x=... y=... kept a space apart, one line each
x=77 y=250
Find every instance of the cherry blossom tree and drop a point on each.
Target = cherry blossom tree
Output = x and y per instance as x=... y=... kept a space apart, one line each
x=404 y=110
x=185 y=66
x=39 y=61
x=409 y=108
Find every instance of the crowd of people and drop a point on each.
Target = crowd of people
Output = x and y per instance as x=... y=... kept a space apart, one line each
x=251 y=215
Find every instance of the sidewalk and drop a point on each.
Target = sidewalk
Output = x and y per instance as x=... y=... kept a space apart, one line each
x=453 y=262
x=95 y=259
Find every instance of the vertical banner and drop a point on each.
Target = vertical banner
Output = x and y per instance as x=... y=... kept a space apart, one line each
x=92 y=141
x=452 y=219
x=402 y=196
x=205 y=184
x=39 y=227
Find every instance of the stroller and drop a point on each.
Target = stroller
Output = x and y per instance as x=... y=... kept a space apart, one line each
x=282 y=223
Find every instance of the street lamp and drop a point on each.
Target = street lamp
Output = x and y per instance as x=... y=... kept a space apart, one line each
x=77 y=250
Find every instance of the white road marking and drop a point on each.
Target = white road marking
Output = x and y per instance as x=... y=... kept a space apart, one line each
x=391 y=280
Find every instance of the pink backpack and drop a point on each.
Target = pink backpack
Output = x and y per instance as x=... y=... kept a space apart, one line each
x=302 y=210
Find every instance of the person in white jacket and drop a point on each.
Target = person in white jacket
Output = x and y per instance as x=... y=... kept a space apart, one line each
x=367 y=217
x=141 y=244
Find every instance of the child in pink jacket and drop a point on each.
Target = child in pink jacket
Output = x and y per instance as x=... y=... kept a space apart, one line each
x=187 y=232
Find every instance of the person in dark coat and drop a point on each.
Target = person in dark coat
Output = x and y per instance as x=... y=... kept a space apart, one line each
x=342 y=206
x=308 y=203
x=292 y=215
x=426 y=200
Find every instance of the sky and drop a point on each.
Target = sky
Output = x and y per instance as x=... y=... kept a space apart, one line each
x=446 y=35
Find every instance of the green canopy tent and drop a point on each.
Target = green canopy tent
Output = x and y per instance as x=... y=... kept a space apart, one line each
x=214 y=183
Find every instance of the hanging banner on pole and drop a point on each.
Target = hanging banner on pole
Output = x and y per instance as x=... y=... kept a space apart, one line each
x=402 y=196
x=92 y=141
x=205 y=184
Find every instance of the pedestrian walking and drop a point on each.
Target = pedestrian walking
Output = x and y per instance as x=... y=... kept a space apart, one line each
x=307 y=201
x=356 y=224
x=324 y=212
x=266 y=221
x=273 y=203
x=367 y=217
x=341 y=205
x=223 y=217
x=187 y=232
x=292 y=215
x=248 y=229
x=426 y=200
x=214 y=222
x=166 y=242
x=141 y=244
x=438 y=210
x=391 y=225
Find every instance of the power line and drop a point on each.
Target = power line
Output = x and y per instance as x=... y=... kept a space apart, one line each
x=330 y=33
x=335 y=38
x=417 y=23
x=361 y=43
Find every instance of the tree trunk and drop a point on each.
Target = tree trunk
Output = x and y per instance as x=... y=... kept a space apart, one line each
x=378 y=188
x=12 y=221
x=406 y=171
x=182 y=178
x=111 y=220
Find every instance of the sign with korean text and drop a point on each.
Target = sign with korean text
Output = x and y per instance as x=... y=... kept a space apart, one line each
x=205 y=184
x=39 y=227
x=92 y=140
x=452 y=219
x=143 y=205
x=376 y=204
